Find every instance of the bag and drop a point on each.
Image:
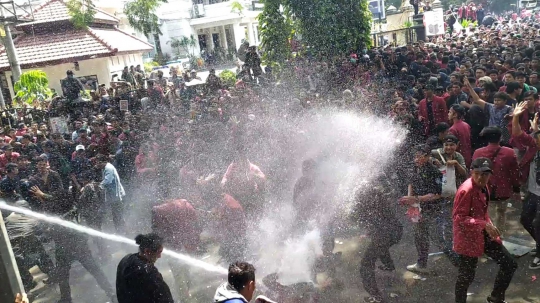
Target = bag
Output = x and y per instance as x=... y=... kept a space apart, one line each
x=492 y=187
x=449 y=186
x=65 y=166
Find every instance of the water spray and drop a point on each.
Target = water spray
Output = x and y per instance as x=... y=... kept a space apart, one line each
x=96 y=233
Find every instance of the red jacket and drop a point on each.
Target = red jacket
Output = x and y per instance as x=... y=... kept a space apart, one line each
x=505 y=169
x=470 y=217
x=440 y=112
x=177 y=222
x=462 y=131
x=525 y=142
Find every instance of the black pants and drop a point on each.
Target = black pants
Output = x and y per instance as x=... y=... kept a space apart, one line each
x=72 y=247
x=530 y=217
x=436 y=224
x=29 y=251
x=378 y=248
x=467 y=269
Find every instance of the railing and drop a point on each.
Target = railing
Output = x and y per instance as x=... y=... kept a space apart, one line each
x=218 y=8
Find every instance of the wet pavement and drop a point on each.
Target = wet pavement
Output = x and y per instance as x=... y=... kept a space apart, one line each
x=399 y=286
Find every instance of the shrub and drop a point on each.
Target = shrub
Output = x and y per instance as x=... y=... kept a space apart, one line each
x=228 y=78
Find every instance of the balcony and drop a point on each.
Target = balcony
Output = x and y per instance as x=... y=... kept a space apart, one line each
x=215 y=8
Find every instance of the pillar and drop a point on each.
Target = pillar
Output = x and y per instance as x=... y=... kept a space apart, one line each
x=239 y=34
x=251 y=34
x=224 y=38
x=209 y=40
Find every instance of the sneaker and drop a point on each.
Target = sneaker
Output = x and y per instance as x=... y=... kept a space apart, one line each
x=372 y=300
x=535 y=264
x=417 y=268
x=490 y=299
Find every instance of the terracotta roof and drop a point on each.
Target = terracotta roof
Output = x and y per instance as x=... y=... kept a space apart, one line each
x=38 y=49
x=56 y=10
x=121 y=40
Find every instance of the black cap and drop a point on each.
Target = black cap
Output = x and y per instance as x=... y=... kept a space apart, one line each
x=422 y=148
x=451 y=139
x=482 y=165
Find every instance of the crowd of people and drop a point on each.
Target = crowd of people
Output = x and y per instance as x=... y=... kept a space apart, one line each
x=470 y=105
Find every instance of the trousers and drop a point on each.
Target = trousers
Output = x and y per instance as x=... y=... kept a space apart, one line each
x=530 y=217
x=378 y=249
x=72 y=247
x=435 y=224
x=467 y=270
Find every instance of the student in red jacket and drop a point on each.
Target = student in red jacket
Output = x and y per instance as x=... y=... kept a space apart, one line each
x=462 y=131
x=475 y=235
x=431 y=110
x=505 y=178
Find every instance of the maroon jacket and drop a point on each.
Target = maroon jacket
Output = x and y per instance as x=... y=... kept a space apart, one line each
x=462 y=131
x=505 y=169
x=525 y=142
x=470 y=217
x=177 y=222
x=440 y=112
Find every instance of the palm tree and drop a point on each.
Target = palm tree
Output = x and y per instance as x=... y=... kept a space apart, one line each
x=188 y=43
x=175 y=44
x=141 y=16
x=32 y=86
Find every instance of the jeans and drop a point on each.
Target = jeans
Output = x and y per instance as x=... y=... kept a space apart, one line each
x=72 y=247
x=530 y=217
x=435 y=224
x=378 y=248
x=467 y=269
x=499 y=209
x=28 y=252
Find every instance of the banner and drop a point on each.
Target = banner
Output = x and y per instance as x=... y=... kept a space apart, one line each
x=434 y=23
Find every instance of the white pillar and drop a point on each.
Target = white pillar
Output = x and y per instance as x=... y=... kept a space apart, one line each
x=224 y=38
x=239 y=34
x=209 y=40
x=251 y=36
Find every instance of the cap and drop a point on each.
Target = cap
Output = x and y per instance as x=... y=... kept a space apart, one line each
x=7 y=147
x=451 y=139
x=482 y=165
x=422 y=148
x=79 y=147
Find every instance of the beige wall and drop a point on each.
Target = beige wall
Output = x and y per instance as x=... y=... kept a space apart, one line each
x=103 y=68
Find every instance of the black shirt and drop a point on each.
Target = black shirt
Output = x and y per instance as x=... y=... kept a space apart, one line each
x=424 y=180
x=138 y=281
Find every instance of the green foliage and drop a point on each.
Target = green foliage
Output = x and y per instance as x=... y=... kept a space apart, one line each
x=334 y=27
x=32 y=86
x=148 y=66
x=82 y=12
x=237 y=7
x=141 y=15
x=276 y=29
x=407 y=24
x=228 y=78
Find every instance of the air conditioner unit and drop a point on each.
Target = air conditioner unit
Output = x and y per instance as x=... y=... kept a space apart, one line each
x=200 y=9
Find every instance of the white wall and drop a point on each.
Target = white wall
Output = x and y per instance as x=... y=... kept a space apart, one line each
x=103 y=68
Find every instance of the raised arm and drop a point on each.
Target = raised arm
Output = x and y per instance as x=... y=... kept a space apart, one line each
x=518 y=111
x=474 y=95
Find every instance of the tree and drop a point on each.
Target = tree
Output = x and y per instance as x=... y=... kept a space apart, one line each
x=141 y=16
x=82 y=12
x=175 y=44
x=188 y=43
x=333 y=27
x=276 y=29
x=32 y=86
x=237 y=7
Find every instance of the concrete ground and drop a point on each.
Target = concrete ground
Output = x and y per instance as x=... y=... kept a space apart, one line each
x=400 y=286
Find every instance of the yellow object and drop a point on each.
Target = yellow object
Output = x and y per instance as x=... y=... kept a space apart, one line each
x=2 y=31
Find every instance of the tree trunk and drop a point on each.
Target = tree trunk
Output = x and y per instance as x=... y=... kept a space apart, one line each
x=157 y=42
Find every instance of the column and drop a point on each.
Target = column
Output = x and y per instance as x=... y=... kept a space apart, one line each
x=224 y=38
x=251 y=36
x=209 y=40
x=239 y=34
